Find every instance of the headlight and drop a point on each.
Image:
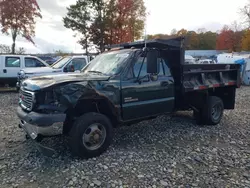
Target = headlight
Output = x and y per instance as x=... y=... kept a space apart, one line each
x=22 y=75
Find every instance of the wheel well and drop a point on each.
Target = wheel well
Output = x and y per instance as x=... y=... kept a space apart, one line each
x=101 y=106
x=226 y=94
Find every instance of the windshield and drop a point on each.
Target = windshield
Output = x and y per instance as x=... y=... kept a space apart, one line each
x=61 y=63
x=107 y=63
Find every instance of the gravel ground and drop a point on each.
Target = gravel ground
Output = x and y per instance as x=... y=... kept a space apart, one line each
x=170 y=151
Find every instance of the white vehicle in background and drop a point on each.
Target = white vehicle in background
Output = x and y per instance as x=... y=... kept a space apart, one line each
x=66 y=64
x=189 y=59
x=246 y=73
x=10 y=65
x=230 y=58
x=206 y=61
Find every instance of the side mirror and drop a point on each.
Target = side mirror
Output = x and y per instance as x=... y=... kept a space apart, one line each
x=152 y=64
x=65 y=69
x=71 y=68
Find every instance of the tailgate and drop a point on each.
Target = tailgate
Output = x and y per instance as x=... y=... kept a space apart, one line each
x=205 y=76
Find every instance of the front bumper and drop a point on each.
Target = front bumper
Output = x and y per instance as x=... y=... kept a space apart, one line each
x=37 y=124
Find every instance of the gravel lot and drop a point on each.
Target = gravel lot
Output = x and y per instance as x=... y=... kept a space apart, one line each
x=170 y=151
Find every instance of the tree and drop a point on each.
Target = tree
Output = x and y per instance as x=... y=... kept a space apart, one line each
x=225 y=39
x=123 y=21
x=235 y=26
x=110 y=22
x=78 y=19
x=132 y=13
x=60 y=53
x=158 y=36
x=173 y=32
x=192 y=41
x=246 y=40
x=20 y=50
x=18 y=18
x=245 y=13
x=98 y=26
x=229 y=40
x=4 y=49
x=201 y=30
x=200 y=40
x=207 y=40
x=107 y=21
x=182 y=32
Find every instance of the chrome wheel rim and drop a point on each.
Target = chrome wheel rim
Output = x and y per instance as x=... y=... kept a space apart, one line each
x=216 y=111
x=94 y=136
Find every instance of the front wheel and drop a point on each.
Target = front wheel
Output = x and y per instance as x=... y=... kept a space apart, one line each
x=91 y=135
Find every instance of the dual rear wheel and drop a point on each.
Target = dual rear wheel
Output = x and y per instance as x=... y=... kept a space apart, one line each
x=211 y=113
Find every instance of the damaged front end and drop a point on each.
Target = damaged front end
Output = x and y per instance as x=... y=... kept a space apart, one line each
x=51 y=111
x=40 y=113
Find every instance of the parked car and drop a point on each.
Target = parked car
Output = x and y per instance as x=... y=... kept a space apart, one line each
x=189 y=59
x=66 y=65
x=122 y=87
x=206 y=61
x=10 y=65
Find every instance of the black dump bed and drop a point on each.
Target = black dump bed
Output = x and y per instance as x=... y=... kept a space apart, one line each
x=205 y=76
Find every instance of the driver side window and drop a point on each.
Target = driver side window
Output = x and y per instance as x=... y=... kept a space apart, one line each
x=140 y=64
x=78 y=64
x=32 y=62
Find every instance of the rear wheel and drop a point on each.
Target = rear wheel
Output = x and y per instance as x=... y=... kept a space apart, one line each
x=91 y=135
x=211 y=113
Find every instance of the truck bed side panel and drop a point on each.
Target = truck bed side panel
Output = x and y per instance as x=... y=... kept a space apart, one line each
x=202 y=77
x=198 y=81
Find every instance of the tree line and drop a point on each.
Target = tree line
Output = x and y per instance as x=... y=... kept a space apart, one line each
x=229 y=38
x=103 y=22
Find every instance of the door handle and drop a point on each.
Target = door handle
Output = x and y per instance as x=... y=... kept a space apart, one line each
x=4 y=71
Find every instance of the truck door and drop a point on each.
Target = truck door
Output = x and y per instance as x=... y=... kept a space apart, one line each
x=11 y=66
x=146 y=97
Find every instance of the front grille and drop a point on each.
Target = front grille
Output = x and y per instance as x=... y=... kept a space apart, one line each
x=26 y=100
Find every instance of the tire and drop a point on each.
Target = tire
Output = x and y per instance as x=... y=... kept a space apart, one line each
x=212 y=111
x=96 y=128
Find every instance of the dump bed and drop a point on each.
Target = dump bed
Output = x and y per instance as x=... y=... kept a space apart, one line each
x=205 y=76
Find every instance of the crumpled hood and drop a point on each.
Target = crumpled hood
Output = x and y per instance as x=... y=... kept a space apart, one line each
x=40 y=70
x=42 y=82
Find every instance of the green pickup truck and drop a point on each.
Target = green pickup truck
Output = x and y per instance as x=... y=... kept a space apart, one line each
x=126 y=84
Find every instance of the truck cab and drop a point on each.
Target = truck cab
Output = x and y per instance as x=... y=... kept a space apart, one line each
x=10 y=65
x=127 y=84
x=66 y=64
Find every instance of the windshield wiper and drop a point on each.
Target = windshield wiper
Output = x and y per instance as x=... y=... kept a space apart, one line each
x=99 y=72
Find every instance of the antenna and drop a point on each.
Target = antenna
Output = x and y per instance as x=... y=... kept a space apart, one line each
x=145 y=31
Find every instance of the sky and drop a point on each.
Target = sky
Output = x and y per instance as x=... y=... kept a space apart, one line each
x=164 y=15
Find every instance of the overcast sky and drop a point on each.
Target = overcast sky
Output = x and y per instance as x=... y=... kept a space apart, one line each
x=164 y=15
